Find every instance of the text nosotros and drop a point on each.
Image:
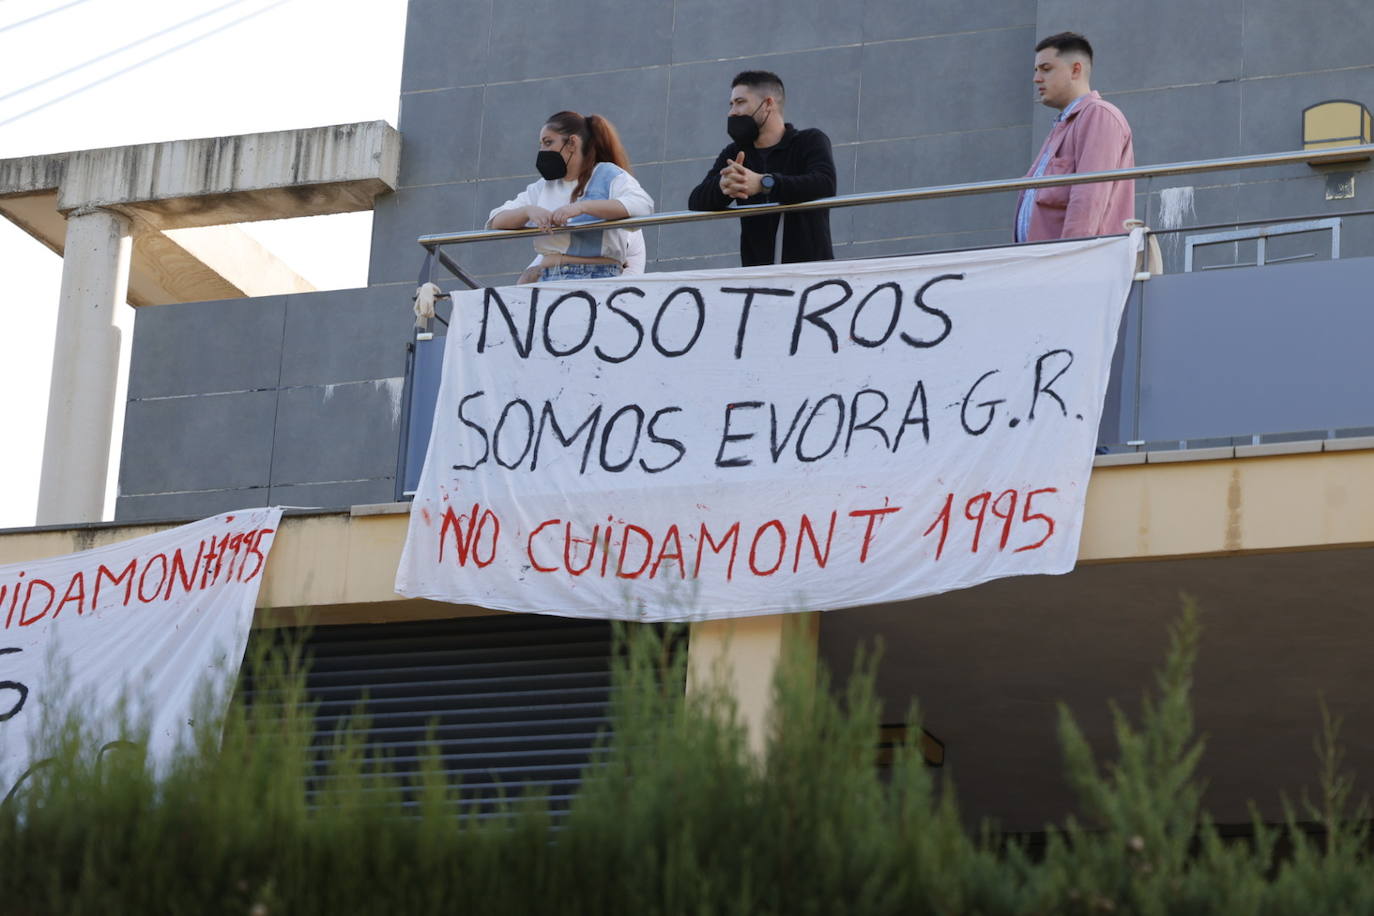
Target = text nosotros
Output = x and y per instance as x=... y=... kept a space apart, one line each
x=566 y=324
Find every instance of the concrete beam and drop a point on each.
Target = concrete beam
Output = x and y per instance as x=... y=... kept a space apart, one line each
x=32 y=174
x=37 y=214
x=164 y=272
x=167 y=187
x=1233 y=506
x=180 y=265
x=227 y=253
x=219 y=180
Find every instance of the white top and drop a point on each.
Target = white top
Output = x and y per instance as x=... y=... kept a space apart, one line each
x=608 y=182
x=636 y=255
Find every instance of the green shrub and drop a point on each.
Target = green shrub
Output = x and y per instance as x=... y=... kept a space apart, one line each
x=675 y=816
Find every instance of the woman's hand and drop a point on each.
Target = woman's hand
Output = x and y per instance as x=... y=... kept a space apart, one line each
x=541 y=218
x=566 y=212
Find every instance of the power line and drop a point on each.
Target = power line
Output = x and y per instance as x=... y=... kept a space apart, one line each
x=108 y=54
x=56 y=9
x=145 y=61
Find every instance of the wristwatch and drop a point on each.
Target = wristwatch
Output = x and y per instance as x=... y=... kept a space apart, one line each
x=767 y=181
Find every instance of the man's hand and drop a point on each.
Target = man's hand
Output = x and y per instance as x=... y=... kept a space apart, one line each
x=739 y=182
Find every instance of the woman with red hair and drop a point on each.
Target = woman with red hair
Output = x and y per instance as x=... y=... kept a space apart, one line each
x=585 y=178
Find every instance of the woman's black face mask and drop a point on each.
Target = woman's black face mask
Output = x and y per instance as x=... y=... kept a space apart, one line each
x=743 y=129
x=551 y=164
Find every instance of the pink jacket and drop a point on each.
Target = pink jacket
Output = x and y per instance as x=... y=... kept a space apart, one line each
x=1093 y=138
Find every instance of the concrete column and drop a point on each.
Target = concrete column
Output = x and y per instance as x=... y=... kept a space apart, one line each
x=85 y=368
x=745 y=653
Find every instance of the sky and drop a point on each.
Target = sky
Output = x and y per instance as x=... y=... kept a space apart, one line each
x=84 y=74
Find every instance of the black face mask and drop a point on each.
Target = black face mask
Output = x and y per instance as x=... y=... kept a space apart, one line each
x=743 y=129
x=551 y=164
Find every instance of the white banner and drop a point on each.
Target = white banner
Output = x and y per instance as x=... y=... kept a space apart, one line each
x=149 y=621
x=705 y=444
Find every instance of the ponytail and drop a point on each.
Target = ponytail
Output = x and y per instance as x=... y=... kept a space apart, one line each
x=600 y=143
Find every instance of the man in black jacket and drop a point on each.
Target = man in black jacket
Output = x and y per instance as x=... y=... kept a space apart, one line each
x=768 y=162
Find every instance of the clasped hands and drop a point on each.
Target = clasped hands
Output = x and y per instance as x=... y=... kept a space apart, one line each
x=739 y=182
x=539 y=218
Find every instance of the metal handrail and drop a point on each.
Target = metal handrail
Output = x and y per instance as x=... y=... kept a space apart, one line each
x=1313 y=157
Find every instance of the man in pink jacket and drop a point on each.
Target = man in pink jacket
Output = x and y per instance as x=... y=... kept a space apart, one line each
x=1090 y=135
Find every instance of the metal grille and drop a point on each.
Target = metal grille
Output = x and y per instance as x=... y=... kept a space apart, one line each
x=514 y=701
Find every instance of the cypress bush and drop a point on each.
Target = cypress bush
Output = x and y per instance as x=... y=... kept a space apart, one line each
x=675 y=816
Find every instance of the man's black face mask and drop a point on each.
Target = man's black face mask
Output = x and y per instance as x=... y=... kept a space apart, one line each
x=743 y=129
x=551 y=164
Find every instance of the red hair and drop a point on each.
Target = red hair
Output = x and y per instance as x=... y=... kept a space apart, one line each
x=600 y=143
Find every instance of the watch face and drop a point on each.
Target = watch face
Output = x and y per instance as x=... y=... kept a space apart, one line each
x=767 y=181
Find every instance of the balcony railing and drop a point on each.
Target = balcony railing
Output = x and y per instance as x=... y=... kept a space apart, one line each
x=435 y=242
x=1241 y=356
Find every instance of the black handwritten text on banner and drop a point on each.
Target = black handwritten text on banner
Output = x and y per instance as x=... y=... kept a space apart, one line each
x=811 y=436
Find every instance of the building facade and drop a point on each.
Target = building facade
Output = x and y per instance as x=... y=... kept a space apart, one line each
x=1244 y=390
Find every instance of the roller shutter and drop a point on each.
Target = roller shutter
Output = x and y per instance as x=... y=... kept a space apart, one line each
x=515 y=699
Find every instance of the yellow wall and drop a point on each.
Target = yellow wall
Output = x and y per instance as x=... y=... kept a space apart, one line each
x=341 y=565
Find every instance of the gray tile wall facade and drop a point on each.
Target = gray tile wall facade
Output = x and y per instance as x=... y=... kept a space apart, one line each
x=867 y=75
x=294 y=399
x=911 y=92
x=1229 y=80
x=285 y=400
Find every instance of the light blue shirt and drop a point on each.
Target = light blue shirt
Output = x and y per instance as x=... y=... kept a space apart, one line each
x=1023 y=215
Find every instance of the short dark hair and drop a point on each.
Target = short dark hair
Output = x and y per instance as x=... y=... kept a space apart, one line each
x=1067 y=42
x=765 y=81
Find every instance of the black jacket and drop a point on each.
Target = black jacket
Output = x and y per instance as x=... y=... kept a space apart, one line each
x=803 y=169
